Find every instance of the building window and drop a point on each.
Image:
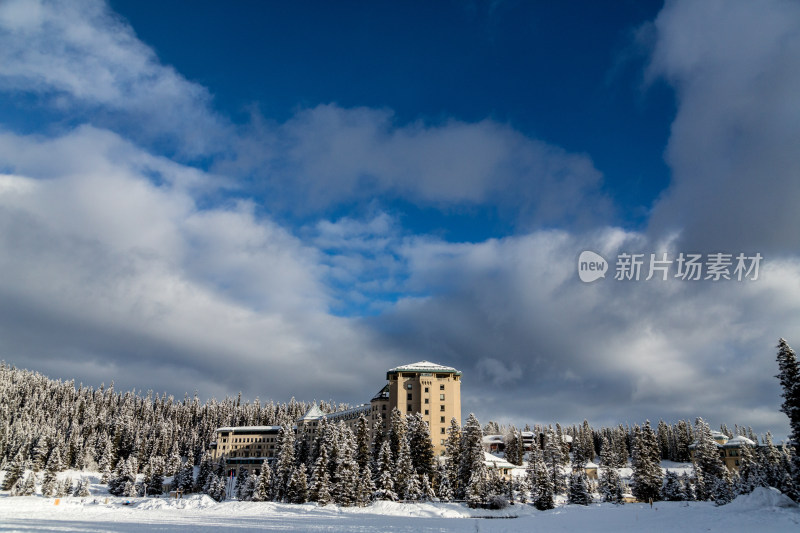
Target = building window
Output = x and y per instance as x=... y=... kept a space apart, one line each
x=441 y=420
x=442 y=431
x=441 y=407
x=384 y=407
x=441 y=441
x=441 y=397
x=441 y=387
x=408 y=386
x=426 y=389
x=426 y=400
x=426 y=411
x=409 y=407
x=409 y=396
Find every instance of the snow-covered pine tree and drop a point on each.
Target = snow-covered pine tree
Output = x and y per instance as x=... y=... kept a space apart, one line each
x=444 y=491
x=297 y=491
x=578 y=491
x=82 y=488
x=513 y=451
x=672 y=491
x=204 y=470
x=397 y=431
x=285 y=463
x=185 y=478
x=476 y=489
x=647 y=476
x=421 y=446
x=320 y=491
x=54 y=465
x=554 y=458
x=471 y=454
x=405 y=478
x=14 y=471
x=452 y=446
x=241 y=483
x=346 y=471
x=385 y=474
x=263 y=487
x=216 y=487
x=106 y=461
x=365 y=487
x=155 y=477
x=789 y=376
x=750 y=473
x=65 y=488
x=29 y=485
x=426 y=489
x=123 y=474
x=363 y=444
x=709 y=465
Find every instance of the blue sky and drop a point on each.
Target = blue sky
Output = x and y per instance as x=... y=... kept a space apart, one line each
x=287 y=199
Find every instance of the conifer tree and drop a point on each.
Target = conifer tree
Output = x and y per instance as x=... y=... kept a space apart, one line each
x=240 y=488
x=285 y=464
x=444 y=490
x=82 y=488
x=365 y=487
x=363 y=445
x=789 y=376
x=346 y=469
x=750 y=473
x=578 y=492
x=421 y=446
x=404 y=474
x=471 y=454
x=647 y=476
x=14 y=471
x=29 y=485
x=54 y=465
x=297 y=491
x=673 y=490
x=106 y=461
x=203 y=472
x=262 y=490
x=385 y=474
x=452 y=463
x=713 y=478
x=397 y=431
x=554 y=458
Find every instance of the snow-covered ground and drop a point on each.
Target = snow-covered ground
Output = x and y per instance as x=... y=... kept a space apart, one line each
x=764 y=511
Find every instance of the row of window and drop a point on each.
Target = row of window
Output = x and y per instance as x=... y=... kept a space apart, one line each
x=410 y=397
x=410 y=386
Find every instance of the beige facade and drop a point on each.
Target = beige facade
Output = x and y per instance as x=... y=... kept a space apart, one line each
x=245 y=446
x=730 y=451
x=432 y=390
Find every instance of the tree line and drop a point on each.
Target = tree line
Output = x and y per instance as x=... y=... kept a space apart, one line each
x=52 y=425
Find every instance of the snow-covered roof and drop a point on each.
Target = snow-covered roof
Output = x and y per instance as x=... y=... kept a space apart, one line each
x=566 y=438
x=739 y=441
x=425 y=366
x=492 y=438
x=249 y=429
x=590 y=465
x=313 y=413
x=496 y=462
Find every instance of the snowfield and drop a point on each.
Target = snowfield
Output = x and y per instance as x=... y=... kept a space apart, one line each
x=765 y=510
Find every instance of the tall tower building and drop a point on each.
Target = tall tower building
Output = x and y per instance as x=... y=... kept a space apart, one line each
x=430 y=389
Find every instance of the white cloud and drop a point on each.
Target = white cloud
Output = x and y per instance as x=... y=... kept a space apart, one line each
x=79 y=54
x=132 y=275
x=328 y=155
x=733 y=146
